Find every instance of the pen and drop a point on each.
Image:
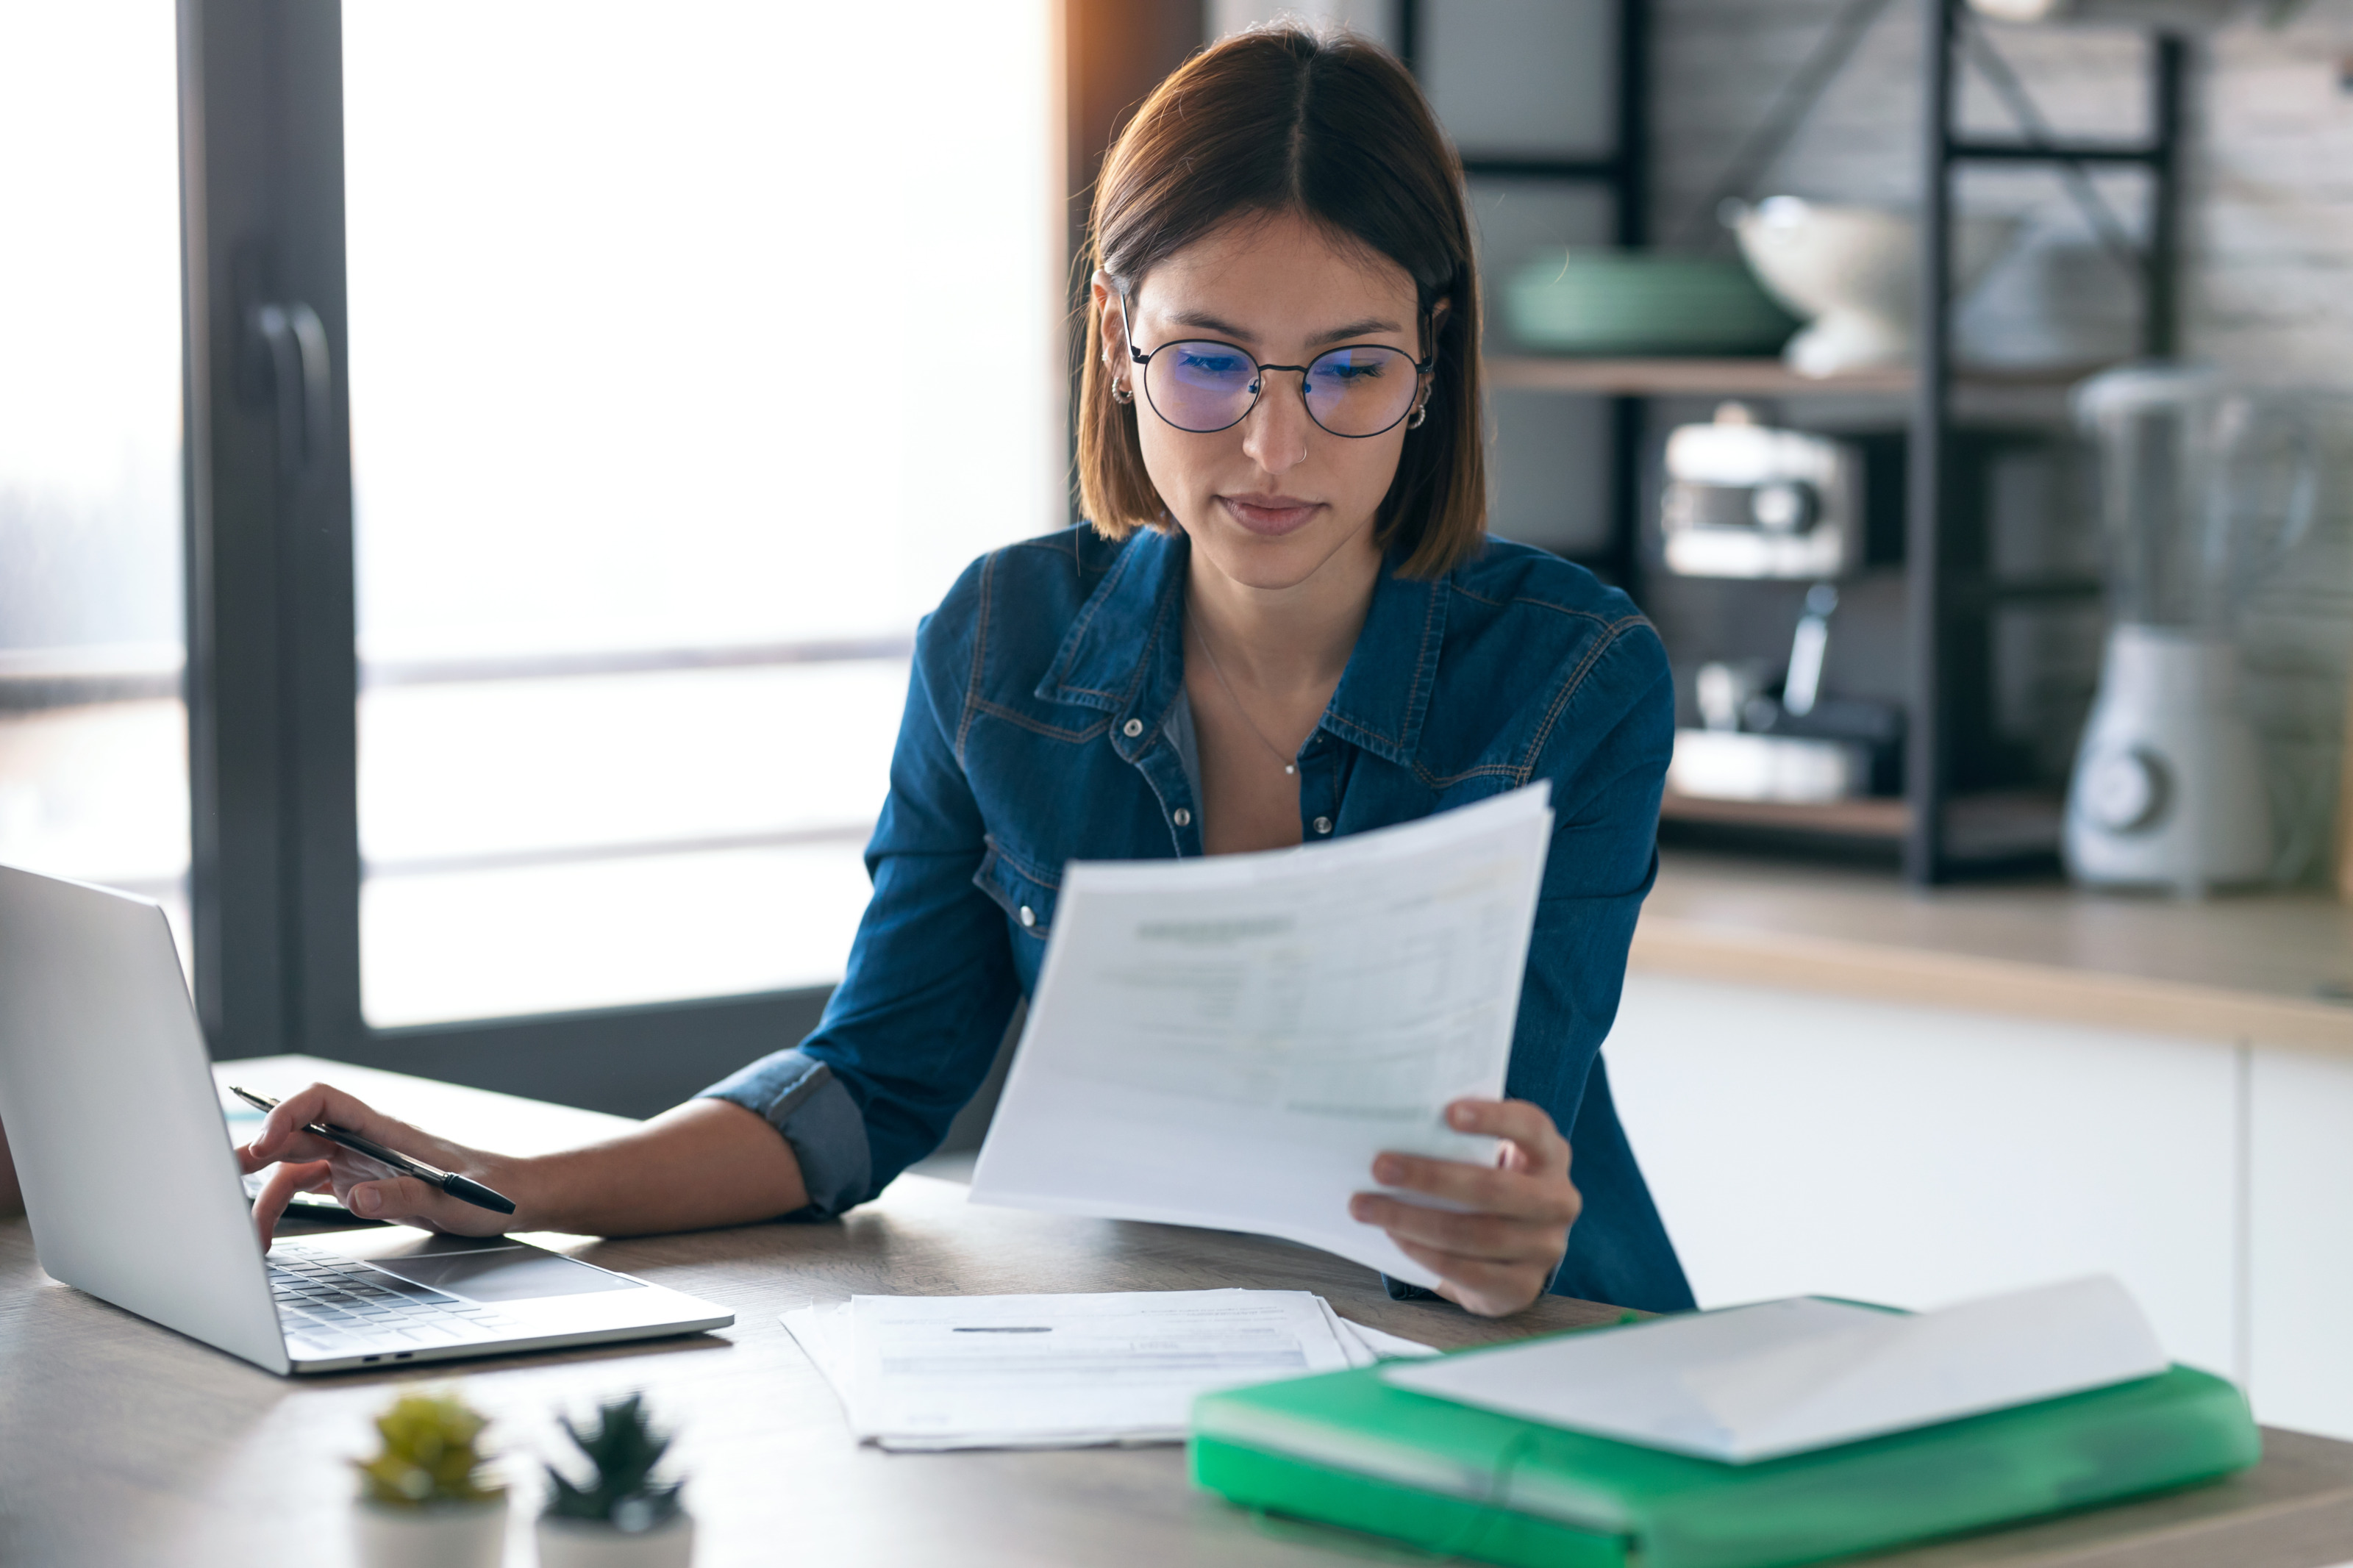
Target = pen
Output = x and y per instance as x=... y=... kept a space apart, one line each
x=456 y=1187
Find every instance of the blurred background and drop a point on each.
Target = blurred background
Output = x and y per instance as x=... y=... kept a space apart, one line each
x=469 y=479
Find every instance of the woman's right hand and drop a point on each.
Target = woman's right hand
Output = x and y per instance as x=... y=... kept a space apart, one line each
x=369 y=1188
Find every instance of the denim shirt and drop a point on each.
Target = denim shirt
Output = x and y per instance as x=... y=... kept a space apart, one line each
x=1038 y=730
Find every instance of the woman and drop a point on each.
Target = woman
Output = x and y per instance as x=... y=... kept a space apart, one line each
x=1284 y=624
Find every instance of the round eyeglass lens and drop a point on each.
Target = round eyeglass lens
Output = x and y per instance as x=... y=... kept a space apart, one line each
x=1201 y=387
x=1360 y=391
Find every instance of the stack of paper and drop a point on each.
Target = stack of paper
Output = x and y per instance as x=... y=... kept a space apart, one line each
x=1787 y=1377
x=1055 y=1371
x=1230 y=1041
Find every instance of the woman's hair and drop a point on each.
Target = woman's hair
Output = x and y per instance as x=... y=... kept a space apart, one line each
x=1279 y=120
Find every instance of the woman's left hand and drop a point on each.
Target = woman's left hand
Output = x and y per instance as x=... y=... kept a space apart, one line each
x=1499 y=1256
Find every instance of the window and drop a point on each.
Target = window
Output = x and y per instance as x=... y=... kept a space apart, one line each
x=93 y=732
x=690 y=362
x=470 y=477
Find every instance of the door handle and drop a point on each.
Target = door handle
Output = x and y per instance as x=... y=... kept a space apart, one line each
x=302 y=386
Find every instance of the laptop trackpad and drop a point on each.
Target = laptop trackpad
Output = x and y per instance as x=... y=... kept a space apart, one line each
x=510 y=1273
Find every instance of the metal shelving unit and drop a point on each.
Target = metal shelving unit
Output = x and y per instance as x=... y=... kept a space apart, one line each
x=1625 y=173
x=1947 y=579
x=1950 y=589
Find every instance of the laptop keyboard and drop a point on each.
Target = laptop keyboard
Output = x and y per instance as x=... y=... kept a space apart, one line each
x=333 y=1306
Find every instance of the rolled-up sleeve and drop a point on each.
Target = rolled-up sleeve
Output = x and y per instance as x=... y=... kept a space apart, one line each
x=800 y=1096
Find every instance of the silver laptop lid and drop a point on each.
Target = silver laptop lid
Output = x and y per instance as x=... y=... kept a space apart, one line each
x=130 y=1178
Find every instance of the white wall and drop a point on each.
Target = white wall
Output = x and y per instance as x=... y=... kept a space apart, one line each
x=2300 y=1239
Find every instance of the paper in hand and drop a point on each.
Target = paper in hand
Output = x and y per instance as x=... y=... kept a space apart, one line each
x=1228 y=1042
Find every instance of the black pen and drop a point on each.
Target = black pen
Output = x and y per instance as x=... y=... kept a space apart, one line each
x=456 y=1187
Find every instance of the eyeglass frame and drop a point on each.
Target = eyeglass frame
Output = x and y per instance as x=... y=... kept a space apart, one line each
x=1417 y=411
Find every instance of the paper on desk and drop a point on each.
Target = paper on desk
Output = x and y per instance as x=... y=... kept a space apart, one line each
x=926 y=1372
x=1365 y=1346
x=1784 y=1377
x=1228 y=1042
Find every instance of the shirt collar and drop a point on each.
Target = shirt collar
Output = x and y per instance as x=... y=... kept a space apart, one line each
x=1125 y=653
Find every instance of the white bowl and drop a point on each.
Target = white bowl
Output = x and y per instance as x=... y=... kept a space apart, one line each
x=1853 y=271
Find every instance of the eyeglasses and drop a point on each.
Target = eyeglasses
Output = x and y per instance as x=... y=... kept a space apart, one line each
x=1202 y=386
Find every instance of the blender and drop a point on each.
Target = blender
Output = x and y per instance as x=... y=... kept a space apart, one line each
x=2201 y=488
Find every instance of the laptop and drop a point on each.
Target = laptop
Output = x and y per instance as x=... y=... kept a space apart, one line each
x=131 y=1183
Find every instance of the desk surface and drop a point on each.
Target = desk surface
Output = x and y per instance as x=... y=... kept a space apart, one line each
x=122 y=1445
x=2269 y=968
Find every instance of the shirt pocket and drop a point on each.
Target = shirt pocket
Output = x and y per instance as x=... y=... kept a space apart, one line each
x=1027 y=898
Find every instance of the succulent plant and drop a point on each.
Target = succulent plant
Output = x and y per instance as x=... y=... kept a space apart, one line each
x=428 y=1456
x=624 y=1447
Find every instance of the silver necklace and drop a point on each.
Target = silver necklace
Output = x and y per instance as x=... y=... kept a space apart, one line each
x=1272 y=750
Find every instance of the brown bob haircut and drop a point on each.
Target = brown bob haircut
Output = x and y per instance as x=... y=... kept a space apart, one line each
x=1281 y=120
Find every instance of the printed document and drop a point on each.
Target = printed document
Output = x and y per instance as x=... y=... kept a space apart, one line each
x=1228 y=1042
x=1068 y=1371
x=1785 y=1377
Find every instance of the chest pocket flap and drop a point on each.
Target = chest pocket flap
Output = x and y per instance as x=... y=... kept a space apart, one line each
x=1027 y=898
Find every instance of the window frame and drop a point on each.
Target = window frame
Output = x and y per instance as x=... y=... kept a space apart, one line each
x=273 y=674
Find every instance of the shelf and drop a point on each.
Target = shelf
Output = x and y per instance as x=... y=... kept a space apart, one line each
x=1986 y=397
x=1872 y=817
x=1752 y=377
x=1999 y=825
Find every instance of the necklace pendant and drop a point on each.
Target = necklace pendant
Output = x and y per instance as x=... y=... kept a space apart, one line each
x=1289 y=767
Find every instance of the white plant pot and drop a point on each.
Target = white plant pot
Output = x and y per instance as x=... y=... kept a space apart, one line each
x=579 y=1543
x=468 y=1535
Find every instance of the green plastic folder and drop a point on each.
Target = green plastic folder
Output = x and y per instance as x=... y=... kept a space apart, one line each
x=1348 y=1450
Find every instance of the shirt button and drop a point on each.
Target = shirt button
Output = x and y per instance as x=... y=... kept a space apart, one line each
x=1181 y=816
x=1323 y=824
x=1028 y=916
x=1132 y=729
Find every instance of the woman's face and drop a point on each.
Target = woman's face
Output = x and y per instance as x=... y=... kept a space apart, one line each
x=1273 y=501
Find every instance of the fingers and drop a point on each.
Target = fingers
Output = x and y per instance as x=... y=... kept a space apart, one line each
x=280 y=1189
x=1478 y=1285
x=1528 y=1125
x=365 y=1186
x=1492 y=1236
x=1546 y=1196
x=1504 y=1228
x=405 y=1199
x=399 y=1200
x=281 y=1136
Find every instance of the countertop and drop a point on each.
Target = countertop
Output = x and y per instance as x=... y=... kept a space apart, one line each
x=2272 y=968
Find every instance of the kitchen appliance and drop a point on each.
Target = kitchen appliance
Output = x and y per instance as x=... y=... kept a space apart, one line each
x=2201 y=488
x=1742 y=500
x=1853 y=272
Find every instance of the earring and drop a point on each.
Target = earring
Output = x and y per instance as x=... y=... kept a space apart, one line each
x=1420 y=413
x=1120 y=394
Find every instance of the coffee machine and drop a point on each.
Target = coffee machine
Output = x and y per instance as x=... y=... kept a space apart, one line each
x=1741 y=500
x=2201 y=488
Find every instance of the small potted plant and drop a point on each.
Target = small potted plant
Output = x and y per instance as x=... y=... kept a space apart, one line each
x=426 y=1500
x=623 y=1518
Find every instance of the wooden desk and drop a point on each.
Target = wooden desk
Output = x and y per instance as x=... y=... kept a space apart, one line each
x=123 y=1446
